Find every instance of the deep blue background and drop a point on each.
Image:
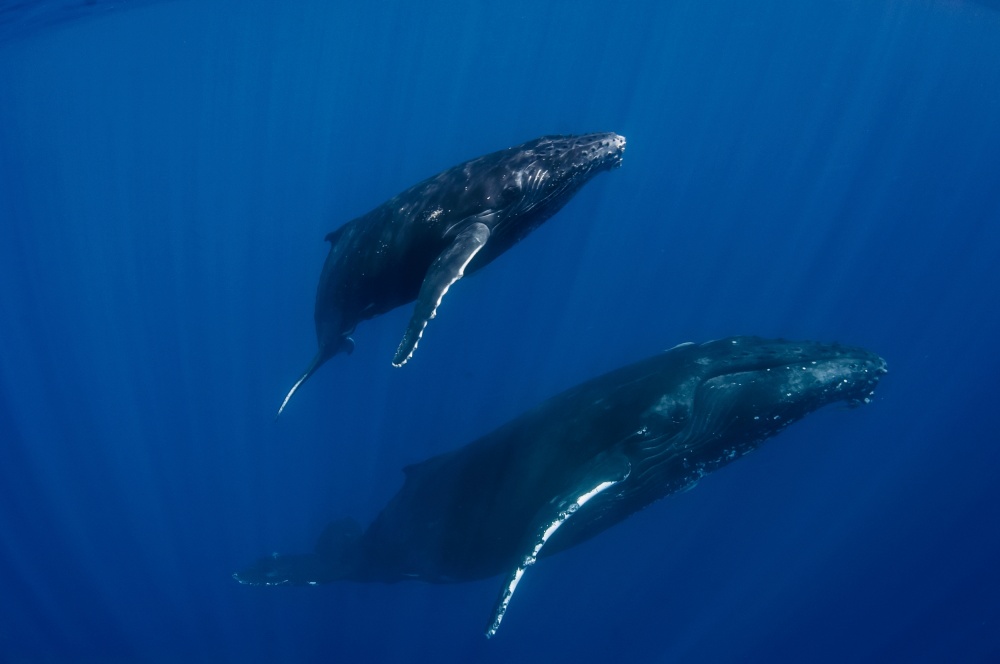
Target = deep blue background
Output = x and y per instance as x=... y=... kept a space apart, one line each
x=824 y=170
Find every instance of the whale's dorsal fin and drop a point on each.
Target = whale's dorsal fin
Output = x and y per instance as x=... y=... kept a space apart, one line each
x=603 y=473
x=446 y=269
x=334 y=236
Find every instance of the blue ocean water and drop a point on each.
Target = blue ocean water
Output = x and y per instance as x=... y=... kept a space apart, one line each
x=822 y=170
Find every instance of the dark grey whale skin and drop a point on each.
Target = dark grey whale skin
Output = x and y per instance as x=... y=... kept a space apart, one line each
x=418 y=243
x=643 y=432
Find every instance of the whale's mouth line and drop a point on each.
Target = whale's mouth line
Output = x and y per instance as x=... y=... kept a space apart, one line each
x=575 y=176
x=593 y=165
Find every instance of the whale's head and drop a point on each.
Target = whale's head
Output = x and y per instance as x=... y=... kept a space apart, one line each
x=542 y=175
x=573 y=157
x=724 y=398
x=777 y=376
x=743 y=390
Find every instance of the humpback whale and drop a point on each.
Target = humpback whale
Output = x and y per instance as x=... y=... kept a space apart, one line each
x=417 y=244
x=581 y=462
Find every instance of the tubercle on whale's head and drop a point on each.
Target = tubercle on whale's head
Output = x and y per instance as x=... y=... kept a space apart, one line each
x=576 y=156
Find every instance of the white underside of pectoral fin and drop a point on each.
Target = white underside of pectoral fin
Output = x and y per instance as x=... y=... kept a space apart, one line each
x=448 y=268
x=545 y=531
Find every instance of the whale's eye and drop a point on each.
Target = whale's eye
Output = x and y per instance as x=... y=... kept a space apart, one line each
x=510 y=193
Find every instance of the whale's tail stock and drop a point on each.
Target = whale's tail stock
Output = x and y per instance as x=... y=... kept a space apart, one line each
x=336 y=557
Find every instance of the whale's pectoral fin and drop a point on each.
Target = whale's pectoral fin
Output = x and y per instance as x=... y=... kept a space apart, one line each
x=336 y=557
x=605 y=472
x=443 y=272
